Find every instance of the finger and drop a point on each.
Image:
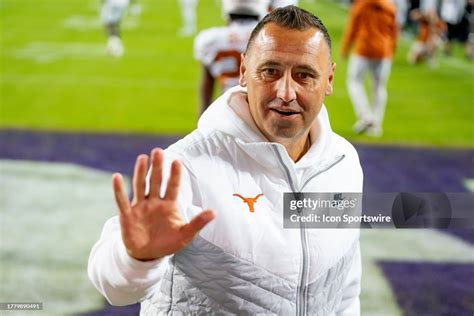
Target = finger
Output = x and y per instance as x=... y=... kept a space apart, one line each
x=173 y=181
x=156 y=172
x=139 y=178
x=197 y=223
x=120 y=194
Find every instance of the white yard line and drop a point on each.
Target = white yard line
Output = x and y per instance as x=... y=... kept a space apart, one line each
x=61 y=79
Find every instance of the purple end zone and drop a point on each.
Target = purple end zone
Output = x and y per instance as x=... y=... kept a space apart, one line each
x=432 y=289
x=405 y=169
x=109 y=310
x=109 y=152
x=386 y=168
x=465 y=234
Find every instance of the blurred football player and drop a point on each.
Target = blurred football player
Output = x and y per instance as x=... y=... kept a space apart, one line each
x=373 y=31
x=188 y=15
x=281 y=3
x=219 y=49
x=135 y=8
x=430 y=31
x=402 y=11
x=111 y=14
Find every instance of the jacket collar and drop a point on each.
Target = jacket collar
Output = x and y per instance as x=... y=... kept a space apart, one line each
x=230 y=115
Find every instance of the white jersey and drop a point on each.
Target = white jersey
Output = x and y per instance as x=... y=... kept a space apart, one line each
x=427 y=6
x=113 y=10
x=282 y=3
x=219 y=49
x=402 y=9
x=452 y=11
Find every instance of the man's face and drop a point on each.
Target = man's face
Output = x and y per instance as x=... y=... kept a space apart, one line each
x=287 y=74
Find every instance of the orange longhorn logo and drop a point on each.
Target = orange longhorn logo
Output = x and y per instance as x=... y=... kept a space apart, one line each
x=250 y=201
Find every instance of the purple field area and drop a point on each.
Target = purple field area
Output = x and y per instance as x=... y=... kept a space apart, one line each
x=386 y=168
x=447 y=288
x=108 y=152
x=410 y=169
x=450 y=287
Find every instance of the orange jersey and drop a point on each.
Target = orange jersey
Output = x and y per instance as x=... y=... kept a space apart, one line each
x=372 y=29
x=428 y=28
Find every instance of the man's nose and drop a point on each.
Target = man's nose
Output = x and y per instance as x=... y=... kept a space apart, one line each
x=286 y=88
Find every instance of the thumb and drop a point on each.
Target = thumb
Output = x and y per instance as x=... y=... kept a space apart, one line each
x=196 y=224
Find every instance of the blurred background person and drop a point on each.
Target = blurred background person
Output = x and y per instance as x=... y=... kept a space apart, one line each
x=218 y=49
x=428 y=5
x=402 y=12
x=373 y=30
x=111 y=15
x=281 y=3
x=188 y=15
x=135 y=8
x=456 y=14
x=430 y=32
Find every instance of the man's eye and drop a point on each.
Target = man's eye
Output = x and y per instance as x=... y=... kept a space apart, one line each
x=304 y=75
x=270 y=72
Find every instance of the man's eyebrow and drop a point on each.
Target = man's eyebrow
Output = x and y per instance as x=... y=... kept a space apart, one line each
x=307 y=68
x=302 y=67
x=269 y=63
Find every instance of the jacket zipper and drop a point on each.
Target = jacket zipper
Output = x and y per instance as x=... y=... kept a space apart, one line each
x=338 y=160
x=302 y=289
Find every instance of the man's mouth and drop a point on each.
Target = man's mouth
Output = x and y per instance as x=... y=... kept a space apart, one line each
x=285 y=112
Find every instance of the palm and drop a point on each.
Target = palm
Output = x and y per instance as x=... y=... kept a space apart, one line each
x=152 y=226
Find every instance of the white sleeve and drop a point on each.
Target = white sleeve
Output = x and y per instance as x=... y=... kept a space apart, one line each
x=122 y=279
x=205 y=49
x=350 y=303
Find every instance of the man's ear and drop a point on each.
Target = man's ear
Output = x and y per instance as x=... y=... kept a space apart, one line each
x=329 y=87
x=243 y=68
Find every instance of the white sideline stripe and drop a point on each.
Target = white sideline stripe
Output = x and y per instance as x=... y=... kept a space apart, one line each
x=51 y=215
x=47 y=52
x=87 y=23
x=82 y=23
x=469 y=185
x=96 y=80
x=402 y=245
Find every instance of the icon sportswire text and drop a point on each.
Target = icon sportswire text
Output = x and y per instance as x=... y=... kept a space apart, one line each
x=250 y=201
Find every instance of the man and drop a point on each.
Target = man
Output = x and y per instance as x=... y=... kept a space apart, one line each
x=372 y=28
x=269 y=136
x=218 y=49
x=111 y=14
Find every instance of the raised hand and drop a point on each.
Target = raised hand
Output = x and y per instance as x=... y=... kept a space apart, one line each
x=152 y=226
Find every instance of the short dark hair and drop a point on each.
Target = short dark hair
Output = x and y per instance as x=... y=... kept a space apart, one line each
x=235 y=17
x=291 y=17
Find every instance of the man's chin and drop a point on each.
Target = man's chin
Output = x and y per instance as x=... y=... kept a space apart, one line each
x=284 y=134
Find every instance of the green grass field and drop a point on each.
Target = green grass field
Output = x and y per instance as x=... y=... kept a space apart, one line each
x=56 y=75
